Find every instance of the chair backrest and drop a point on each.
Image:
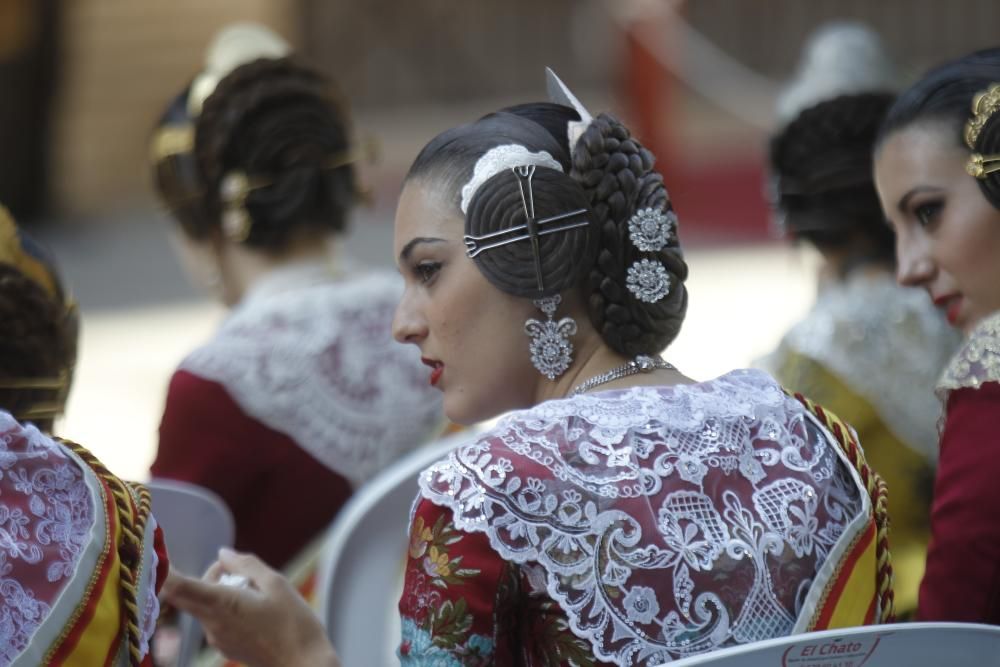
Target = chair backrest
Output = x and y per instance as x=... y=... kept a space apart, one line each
x=195 y=523
x=360 y=575
x=910 y=644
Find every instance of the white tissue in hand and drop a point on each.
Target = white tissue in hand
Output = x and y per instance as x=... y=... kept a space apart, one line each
x=234 y=580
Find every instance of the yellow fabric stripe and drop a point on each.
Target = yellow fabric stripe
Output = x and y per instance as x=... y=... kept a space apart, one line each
x=856 y=597
x=104 y=631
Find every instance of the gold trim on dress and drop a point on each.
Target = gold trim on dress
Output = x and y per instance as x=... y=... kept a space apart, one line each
x=977 y=363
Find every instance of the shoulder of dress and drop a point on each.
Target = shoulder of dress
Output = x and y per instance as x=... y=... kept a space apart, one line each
x=977 y=362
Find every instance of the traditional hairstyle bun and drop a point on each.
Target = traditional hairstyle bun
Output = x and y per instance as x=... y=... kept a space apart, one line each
x=278 y=122
x=498 y=204
x=610 y=175
x=617 y=173
x=821 y=164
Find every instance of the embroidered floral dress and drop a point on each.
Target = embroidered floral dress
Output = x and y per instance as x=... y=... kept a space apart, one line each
x=638 y=526
x=962 y=580
x=871 y=351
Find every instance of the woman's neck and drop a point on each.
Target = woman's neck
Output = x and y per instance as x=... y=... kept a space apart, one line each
x=243 y=267
x=594 y=358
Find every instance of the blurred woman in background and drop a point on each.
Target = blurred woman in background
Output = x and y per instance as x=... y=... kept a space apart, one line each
x=937 y=168
x=301 y=395
x=81 y=559
x=869 y=349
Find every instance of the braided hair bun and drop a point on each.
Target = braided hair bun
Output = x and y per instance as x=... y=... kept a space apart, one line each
x=821 y=164
x=280 y=123
x=617 y=173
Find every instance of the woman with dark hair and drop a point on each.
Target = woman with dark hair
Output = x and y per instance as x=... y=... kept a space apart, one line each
x=868 y=349
x=81 y=559
x=936 y=168
x=620 y=513
x=301 y=395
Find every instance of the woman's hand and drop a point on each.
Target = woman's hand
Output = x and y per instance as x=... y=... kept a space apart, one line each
x=264 y=623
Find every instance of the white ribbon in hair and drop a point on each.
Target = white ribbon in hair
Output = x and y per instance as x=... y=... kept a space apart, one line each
x=560 y=94
x=501 y=158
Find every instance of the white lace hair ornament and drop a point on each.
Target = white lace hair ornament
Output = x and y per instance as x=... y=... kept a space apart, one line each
x=499 y=159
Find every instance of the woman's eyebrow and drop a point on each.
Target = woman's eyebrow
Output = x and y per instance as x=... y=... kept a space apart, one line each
x=404 y=254
x=905 y=199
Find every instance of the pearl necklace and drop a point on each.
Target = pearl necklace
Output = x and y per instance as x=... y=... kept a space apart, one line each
x=641 y=364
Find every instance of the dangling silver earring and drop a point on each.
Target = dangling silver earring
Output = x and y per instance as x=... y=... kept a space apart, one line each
x=551 y=349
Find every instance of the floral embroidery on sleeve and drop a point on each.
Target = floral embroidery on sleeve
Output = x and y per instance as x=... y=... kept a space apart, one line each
x=437 y=627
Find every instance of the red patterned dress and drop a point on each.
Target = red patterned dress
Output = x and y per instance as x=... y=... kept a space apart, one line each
x=639 y=526
x=962 y=579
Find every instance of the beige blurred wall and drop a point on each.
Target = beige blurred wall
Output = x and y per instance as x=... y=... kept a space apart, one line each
x=121 y=62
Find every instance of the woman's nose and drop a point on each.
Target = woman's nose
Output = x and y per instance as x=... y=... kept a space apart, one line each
x=914 y=266
x=408 y=325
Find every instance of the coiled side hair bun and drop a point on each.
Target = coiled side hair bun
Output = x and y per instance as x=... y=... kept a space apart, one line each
x=617 y=173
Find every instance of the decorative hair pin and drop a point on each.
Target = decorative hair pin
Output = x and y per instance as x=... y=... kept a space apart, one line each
x=984 y=105
x=531 y=230
x=171 y=140
x=237 y=185
x=560 y=93
x=979 y=165
x=651 y=230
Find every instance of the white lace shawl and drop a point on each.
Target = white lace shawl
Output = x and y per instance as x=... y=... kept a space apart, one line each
x=665 y=521
x=314 y=358
x=887 y=343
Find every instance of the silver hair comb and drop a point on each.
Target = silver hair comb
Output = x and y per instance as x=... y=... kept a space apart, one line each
x=531 y=230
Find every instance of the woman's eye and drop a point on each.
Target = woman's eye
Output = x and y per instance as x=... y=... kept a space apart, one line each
x=427 y=270
x=927 y=214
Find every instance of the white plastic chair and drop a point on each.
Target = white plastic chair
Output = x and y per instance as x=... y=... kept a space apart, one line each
x=360 y=574
x=903 y=644
x=195 y=523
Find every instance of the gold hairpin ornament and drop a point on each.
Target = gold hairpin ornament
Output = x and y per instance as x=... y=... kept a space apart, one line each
x=984 y=105
x=980 y=166
x=171 y=140
x=237 y=185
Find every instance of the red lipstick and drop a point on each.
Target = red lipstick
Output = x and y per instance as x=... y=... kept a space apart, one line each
x=952 y=304
x=437 y=369
x=952 y=312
